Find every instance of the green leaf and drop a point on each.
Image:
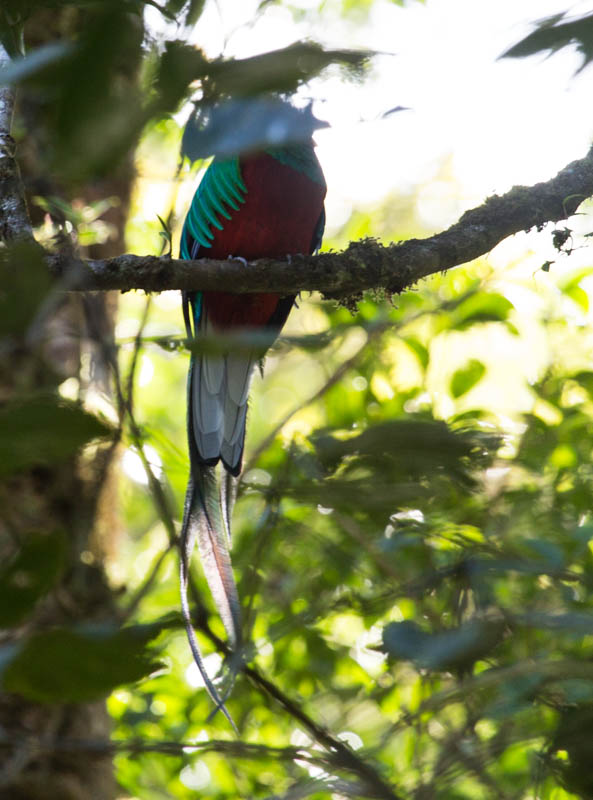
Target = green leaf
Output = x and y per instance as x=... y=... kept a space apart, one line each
x=481 y=307
x=279 y=71
x=77 y=665
x=418 y=447
x=579 y=295
x=194 y=11
x=12 y=23
x=465 y=379
x=585 y=379
x=571 y=287
x=30 y=575
x=24 y=284
x=282 y=70
x=44 y=430
x=418 y=349
x=85 y=141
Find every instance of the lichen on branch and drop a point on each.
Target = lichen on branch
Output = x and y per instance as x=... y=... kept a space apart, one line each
x=365 y=264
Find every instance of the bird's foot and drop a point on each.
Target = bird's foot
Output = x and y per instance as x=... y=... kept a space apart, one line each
x=238 y=258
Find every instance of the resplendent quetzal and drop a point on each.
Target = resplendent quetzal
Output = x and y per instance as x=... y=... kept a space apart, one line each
x=262 y=205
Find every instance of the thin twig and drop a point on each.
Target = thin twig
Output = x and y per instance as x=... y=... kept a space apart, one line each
x=148 y=582
x=346 y=757
x=137 y=746
x=137 y=346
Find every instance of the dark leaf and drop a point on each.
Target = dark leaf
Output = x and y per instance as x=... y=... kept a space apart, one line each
x=456 y=648
x=554 y=33
x=420 y=447
x=481 y=307
x=179 y=66
x=572 y=739
x=191 y=9
x=30 y=575
x=173 y=7
x=547 y=553
x=394 y=110
x=585 y=379
x=242 y=125
x=78 y=665
x=194 y=11
x=44 y=430
x=24 y=283
x=372 y=495
x=280 y=70
x=89 y=141
x=277 y=71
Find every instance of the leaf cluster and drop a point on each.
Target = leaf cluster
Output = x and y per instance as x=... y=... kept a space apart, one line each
x=422 y=585
x=133 y=81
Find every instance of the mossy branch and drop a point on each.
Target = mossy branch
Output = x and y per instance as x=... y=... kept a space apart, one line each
x=365 y=264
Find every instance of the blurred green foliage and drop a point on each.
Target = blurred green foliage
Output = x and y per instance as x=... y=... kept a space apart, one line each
x=413 y=551
x=414 y=547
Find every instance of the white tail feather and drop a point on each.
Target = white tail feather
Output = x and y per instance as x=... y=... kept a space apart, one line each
x=219 y=399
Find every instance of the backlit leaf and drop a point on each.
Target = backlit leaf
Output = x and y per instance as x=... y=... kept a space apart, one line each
x=44 y=430
x=239 y=126
x=467 y=377
x=30 y=575
x=554 y=33
x=78 y=665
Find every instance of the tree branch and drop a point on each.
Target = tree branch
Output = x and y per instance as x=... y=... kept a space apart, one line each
x=14 y=218
x=363 y=265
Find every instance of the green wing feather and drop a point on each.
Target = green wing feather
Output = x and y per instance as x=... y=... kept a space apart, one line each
x=220 y=189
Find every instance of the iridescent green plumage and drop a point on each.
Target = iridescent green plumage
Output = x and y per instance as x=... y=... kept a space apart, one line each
x=300 y=157
x=221 y=187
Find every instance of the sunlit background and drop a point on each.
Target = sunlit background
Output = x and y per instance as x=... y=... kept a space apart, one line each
x=474 y=125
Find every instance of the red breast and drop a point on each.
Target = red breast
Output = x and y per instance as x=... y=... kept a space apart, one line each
x=281 y=209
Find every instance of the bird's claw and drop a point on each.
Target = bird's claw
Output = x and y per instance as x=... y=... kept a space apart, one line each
x=238 y=258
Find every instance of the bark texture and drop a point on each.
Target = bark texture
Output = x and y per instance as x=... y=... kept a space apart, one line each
x=363 y=265
x=69 y=497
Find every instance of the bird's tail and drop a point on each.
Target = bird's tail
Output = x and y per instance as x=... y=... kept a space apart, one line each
x=206 y=521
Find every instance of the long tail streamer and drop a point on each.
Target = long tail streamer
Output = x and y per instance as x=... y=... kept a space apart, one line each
x=206 y=521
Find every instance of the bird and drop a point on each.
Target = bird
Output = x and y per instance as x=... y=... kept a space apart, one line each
x=263 y=204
